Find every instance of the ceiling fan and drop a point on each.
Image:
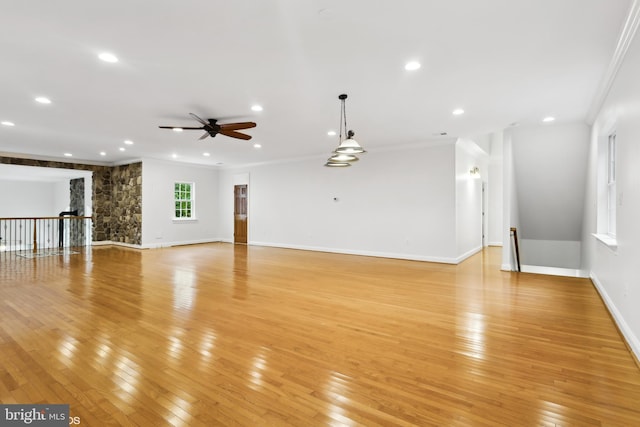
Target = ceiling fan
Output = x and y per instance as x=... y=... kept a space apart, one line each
x=212 y=128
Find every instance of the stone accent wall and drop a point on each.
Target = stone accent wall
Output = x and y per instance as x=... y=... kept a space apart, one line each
x=102 y=205
x=105 y=221
x=126 y=209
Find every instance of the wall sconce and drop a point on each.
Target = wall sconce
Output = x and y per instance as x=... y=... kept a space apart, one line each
x=475 y=172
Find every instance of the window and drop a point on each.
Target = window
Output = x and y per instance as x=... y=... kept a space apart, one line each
x=606 y=193
x=611 y=186
x=184 y=199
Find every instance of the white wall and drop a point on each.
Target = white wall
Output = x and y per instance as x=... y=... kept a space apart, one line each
x=62 y=197
x=29 y=198
x=469 y=197
x=550 y=169
x=495 y=223
x=397 y=204
x=615 y=271
x=551 y=253
x=158 y=227
x=510 y=211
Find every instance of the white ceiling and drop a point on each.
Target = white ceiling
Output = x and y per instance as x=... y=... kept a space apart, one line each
x=502 y=61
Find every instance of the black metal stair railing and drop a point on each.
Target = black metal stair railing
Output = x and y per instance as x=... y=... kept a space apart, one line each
x=516 y=248
x=37 y=234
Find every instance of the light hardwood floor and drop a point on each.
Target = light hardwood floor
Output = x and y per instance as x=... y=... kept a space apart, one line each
x=233 y=335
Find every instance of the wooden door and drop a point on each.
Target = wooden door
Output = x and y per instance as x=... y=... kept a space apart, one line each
x=240 y=214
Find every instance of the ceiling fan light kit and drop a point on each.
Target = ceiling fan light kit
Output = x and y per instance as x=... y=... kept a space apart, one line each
x=343 y=155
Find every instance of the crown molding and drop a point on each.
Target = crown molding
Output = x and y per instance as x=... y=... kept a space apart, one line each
x=624 y=41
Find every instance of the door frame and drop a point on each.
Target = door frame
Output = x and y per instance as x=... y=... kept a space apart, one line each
x=234 y=214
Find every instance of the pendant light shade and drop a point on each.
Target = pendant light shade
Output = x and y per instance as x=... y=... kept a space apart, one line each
x=350 y=146
x=343 y=156
x=340 y=157
x=331 y=164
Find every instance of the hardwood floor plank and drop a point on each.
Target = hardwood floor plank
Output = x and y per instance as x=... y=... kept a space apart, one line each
x=219 y=334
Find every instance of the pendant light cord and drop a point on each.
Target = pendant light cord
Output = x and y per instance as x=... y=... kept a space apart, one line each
x=344 y=110
x=342 y=120
x=343 y=115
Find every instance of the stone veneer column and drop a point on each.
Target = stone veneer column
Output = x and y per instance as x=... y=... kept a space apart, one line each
x=76 y=202
x=127 y=203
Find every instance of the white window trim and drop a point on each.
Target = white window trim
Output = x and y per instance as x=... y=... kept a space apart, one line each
x=611 y=185
x=605 y=185
x=607 y=240
x=193 y=216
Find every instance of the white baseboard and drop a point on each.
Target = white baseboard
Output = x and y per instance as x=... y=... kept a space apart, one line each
x=468 y=254
x=359 y=252
x=156 y=245
x=409 y=257
x=179 y=243
x=112 y=243
x=630 y=337
x=494 y=244
x=554 y=271
x=506 y=267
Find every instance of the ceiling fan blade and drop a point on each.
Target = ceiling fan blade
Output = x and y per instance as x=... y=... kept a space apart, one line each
x=236 y=126
x=179 y=127
x=199 y=119
x=206 y=134
x=234 y=134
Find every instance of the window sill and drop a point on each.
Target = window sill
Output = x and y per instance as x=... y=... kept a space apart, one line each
x=609 y=241
x=179 y=220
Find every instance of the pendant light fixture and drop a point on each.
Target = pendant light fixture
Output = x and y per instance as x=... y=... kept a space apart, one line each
x=344 y=155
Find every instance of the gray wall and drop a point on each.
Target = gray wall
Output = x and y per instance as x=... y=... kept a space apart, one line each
x=549 y=164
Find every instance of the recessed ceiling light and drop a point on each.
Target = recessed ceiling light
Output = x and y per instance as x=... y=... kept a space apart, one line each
x=177 y=129
x=256 y=107
x=128 y=142
x=332 y=133
x=68 y=154
x=256 y=145
x=102 y=153
x=412 y=66
x=206 y=154
x=457 y=111
x=121 y=148
x=43 y=100
x=7 y=123
x=108 y=57
x=174 y=155
x=548 y=119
